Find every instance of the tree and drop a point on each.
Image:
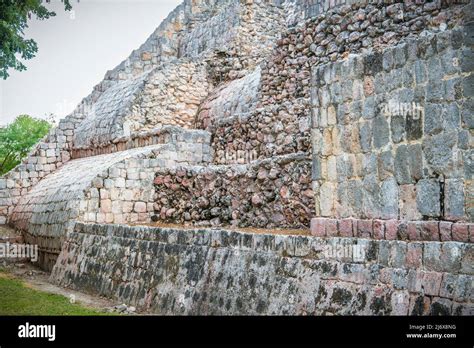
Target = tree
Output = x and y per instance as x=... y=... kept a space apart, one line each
x=18 y=138
x=14 y=15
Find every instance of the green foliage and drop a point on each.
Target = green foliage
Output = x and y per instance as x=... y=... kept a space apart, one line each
x=14 y=15
x=20 y=300
x=17 y=139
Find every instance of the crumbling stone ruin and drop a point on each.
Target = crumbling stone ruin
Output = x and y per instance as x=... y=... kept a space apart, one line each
x=350 y=118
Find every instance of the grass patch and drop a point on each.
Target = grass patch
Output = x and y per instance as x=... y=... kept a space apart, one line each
x=17 y=299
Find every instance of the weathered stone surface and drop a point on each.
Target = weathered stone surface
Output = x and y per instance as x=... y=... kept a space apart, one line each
x=376 y=96
x=428 y=197
x=454 y=199
x=245 y=195
x=96 y=189
x=204 y=272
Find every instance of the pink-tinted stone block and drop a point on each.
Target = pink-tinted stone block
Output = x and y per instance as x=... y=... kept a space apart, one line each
x=413 y=229
x=432 y=283
x=331 y=228
x=414 y=256
x=379 y=229
x=430 y=230
x=346 y=227
x=460 y=232
x=140 y=207
x=445 y=231
x=414 y=280
x=364 y=228
x=318 y=227
x=391 y=229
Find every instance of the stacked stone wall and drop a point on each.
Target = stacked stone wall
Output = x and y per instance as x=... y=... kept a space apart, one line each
x=48 y=155
x=358 y=119
x=170 y=92
x=233 y=99
x=392 y=136
x=218 y=272
x=112 y=188
x=171 y=96
x=271 y=193
x=281 y=123
x=99 y=124
x=305 y=9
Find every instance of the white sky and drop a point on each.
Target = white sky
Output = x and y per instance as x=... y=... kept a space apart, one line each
x=75 y=50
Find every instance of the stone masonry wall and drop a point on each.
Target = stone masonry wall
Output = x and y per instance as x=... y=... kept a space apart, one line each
x=270 y=193
x=281 y=123
x=111 y=188
x=170 y=93
x=217 y=272
x=235 y=98
x=110 y=102
x=171 y=96
x=46 y=157
x=392 y=132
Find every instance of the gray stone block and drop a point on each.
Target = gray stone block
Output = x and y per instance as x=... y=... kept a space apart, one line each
x=463 y=288
x=453 y=89
x=435 y=91
x=408 y=76
x=369 y=164
x=387 y=60
x=365 y=136
x=316 y=168
x=432 y=257
x=467 y=60
x=467 y=113
x=467 y=262
x=400 y=55
x=373 y=64
x=428 y=197
x=389 y=199
x=385 y=164
x=408 y=164
x=450 y=259
x=420 y=72
x=394 y=80
x=397 y=125
x=468 y=86
x=433 y=119
x=369 y=109
x=454 y=199
x=371 y=197
x=438 y=150
x=414 y=124
x=435 y=72
x=381 y=132
x=451 y=117
x=344 y=167
x=463 y=139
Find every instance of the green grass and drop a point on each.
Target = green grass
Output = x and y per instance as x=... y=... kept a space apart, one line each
x=17 y=299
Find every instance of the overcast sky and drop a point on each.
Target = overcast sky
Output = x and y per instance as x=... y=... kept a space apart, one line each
x=75 y=51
